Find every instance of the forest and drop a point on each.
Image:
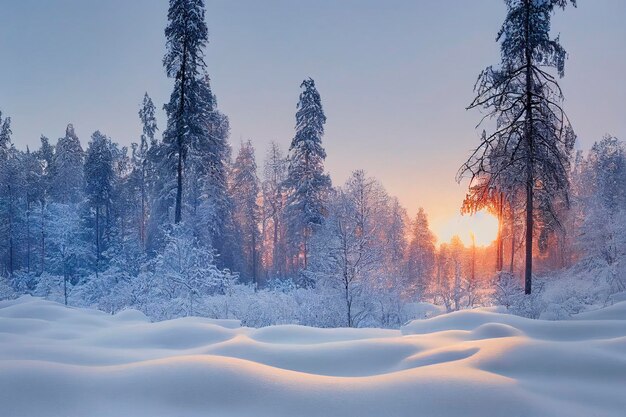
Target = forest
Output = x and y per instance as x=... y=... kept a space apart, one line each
x=188 y=222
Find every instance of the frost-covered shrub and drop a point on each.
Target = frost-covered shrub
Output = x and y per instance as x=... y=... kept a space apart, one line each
x=509 y=293
x=588 y=285
x=531 y=305
x=105 y=291
x=320 y=307
x=508 y=289
x=52 y=287
x=421 y=310
x=23 y=282
x=6 y=291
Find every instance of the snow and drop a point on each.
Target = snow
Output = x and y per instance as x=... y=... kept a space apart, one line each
x=60 y=361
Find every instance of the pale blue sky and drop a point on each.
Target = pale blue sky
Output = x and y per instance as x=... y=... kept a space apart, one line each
x=394 y=76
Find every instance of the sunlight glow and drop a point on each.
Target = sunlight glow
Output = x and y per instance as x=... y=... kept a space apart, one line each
x=483 y=225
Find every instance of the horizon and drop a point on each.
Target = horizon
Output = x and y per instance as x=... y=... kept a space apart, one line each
x=390 y=75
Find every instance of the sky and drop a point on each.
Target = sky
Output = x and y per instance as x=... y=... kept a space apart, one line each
x=395 y=78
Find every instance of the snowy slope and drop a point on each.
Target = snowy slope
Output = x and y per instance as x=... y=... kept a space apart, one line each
x=58 y=361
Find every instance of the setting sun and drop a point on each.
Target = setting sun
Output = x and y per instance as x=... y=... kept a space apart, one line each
x=482 y=225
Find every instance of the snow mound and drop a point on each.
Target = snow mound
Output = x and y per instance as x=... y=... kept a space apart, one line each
x=615 y=312
x=60 y=361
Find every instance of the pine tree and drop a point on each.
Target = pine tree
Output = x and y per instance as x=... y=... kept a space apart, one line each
x=5 y=137
x=306 y=180
x=533 y=140
x=396 y=244
x=45 y=155
x=34 y=188
x=67 y=180
x=100 y=182
x=144 y=170
x=244 y=189
x=11 y=183
x=274 y=193
x=206 y=197
x=421 y=253
x=186 y=36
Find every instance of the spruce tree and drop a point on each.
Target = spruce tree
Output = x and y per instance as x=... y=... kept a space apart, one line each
x=10 y=180
x=274 y=192
x=67 y=182
x=144 y=170
x=306 y=180
x=100 y=182
x=5 y=137
x=244 y=186
x=45 y=155
x=421 y=253
x=186 y=36
x=34 y=190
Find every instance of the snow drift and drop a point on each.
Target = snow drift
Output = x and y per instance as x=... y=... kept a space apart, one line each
x=59 y=361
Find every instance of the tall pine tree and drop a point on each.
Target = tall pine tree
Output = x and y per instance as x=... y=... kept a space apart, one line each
x=144 y=170
x=186 y=36
x=244 y=186
x=532 y=142
x=100 y=179
x=67 y=180
x=306 y=180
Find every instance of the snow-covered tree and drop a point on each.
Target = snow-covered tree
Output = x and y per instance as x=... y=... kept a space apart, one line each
x=5 y=137
x=186 y=36
x=244 y=189
x=12 y=184
x=99 y=186
x=188 y=273
x=601 y=198
x=45 y=155
x=421 y=253
x=356 y=247
x=448 y=285
x=143 y=167
x=67 y=180
x=34 y=188
x=66 y=253
x=274 y=194
x=532 y=140
x=306 y=181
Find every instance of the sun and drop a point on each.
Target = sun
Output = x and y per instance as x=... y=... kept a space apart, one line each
x=482 y=225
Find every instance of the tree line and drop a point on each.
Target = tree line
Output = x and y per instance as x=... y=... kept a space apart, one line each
x=179 y=223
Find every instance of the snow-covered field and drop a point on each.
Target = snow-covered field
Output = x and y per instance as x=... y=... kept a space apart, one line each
x=58 y=361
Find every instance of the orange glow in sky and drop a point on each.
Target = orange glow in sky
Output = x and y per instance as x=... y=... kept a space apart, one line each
x=483 y=225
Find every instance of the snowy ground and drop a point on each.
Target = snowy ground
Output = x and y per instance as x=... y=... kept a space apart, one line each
x=57 y=361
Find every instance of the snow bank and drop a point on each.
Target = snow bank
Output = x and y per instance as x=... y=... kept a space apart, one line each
x=58 y=361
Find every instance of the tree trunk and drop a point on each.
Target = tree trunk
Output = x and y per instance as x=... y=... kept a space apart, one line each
x=28 y=243
x=97 y=240
x=254 y=258
x=529 y=237
x=529 y=158
x=179 y=189
x=142 y=225
x=11 y=249
x=65 y=282
x=181 y=111
x=43 y=237
x=275 y=256
x=500 y=240
x=305 y=245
